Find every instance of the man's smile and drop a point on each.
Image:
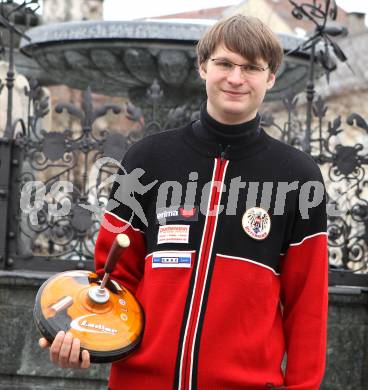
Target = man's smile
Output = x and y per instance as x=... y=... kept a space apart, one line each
x=234 y=93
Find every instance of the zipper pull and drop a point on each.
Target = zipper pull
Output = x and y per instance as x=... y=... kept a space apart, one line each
x=224 y=152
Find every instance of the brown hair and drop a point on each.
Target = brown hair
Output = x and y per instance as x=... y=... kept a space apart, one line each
x=245 y=35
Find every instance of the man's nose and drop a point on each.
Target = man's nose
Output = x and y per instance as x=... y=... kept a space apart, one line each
x=236 y=76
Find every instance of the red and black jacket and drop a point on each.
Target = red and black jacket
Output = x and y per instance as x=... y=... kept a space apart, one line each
x=225 y=317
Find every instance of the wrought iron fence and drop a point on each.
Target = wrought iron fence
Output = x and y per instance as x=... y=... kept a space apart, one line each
x=36 y=165
x=343 y=163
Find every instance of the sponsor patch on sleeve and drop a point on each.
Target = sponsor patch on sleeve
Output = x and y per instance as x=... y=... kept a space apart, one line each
x=172 y=259
x=173 y=234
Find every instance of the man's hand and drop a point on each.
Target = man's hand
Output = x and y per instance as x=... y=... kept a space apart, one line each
x=65 y=351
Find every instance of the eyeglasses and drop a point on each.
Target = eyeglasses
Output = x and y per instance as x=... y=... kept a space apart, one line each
x=227 y=66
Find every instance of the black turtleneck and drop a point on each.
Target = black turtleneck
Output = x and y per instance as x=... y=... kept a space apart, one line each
x=213 y=138
x=223 y=134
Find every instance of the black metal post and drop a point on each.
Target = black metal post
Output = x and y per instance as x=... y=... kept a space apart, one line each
x=10 y=86
x=310 y=97
x=5 y=160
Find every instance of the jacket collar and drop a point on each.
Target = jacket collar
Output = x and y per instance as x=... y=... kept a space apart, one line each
x=220 y=133
x=213 y=139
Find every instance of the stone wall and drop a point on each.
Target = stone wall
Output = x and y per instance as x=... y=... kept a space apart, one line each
x=23 y=366
x=347 y=350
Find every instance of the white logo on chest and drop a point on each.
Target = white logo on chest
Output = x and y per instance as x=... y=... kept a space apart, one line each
x=256 y=223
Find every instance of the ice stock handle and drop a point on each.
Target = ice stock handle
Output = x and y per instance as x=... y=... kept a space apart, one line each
x=120 y=243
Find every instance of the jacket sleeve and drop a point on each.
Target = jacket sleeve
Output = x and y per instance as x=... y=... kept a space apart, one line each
x=304 y=295
x=120 y=218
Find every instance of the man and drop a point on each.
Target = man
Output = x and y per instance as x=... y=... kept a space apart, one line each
x=248 y=277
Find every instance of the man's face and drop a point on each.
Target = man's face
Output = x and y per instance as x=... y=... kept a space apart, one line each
x=234 y=96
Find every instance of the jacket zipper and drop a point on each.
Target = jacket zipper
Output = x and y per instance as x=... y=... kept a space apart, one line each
x=224 y=151
x=206 y=256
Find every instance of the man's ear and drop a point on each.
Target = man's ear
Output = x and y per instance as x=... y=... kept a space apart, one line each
x=271 y=80
x=202 y=70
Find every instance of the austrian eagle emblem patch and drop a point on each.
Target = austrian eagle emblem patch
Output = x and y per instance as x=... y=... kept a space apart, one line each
x=256 y=223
